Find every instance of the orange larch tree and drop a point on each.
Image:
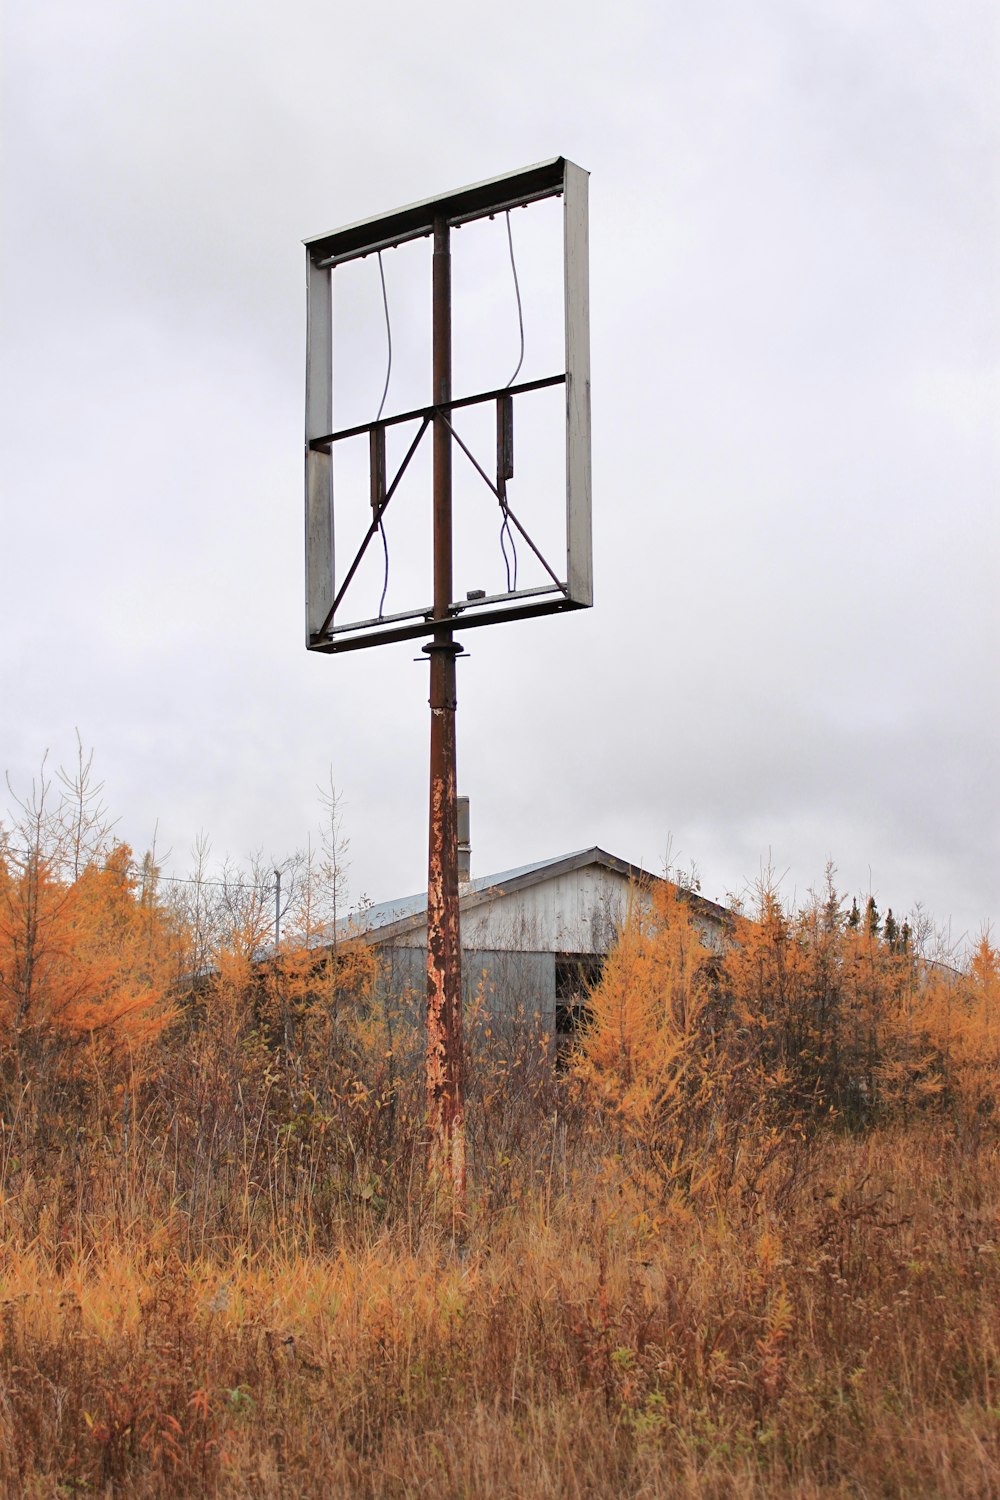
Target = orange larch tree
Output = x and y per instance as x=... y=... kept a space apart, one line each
x=88 y=952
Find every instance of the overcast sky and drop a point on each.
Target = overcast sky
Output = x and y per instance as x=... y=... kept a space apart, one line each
x=794 y=292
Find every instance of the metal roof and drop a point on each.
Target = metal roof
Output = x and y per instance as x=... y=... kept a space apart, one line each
x=390 y=919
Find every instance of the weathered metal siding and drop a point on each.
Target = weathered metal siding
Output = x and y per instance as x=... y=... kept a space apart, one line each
x=572 y=913
x=520 y=984
x=512 y=983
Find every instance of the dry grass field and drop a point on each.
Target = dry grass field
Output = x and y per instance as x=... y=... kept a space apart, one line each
x=745 y=1244
x=843 y=1340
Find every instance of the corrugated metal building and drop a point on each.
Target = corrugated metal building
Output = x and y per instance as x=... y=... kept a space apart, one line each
x=531 y=937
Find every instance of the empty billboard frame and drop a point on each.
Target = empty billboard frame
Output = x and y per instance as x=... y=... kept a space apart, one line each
x=568 y=582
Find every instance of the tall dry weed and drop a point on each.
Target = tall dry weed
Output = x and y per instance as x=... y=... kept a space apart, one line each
x=222 y=1272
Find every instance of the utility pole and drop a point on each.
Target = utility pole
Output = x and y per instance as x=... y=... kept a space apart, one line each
x=334 y=626
x=445 y=1083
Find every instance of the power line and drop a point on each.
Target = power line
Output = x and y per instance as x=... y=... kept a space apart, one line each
x=226 y=885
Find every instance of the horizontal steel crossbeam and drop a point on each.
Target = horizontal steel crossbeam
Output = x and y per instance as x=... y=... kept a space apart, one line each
x=324 y=443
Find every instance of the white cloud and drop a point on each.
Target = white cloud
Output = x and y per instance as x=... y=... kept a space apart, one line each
x=794 y=214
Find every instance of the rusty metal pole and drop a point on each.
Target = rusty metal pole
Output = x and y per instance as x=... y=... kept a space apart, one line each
x=445 y=1102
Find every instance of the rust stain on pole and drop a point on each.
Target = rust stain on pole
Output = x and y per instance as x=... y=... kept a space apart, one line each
x=445 y=1083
